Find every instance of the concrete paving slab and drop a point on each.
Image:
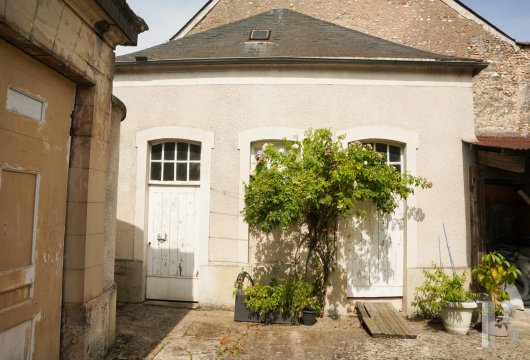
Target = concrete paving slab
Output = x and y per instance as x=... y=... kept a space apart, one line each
x=167 y=333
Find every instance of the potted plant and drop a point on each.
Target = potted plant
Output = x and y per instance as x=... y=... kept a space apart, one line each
x=285 y=302
x=444 y=296
x=270 y=303
x=493 y=274
x=305 y=302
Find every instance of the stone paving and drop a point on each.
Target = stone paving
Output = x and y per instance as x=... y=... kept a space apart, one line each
x=164 y=333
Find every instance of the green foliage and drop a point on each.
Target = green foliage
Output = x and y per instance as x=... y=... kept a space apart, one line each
x=303 y=297
x=493 y=274
x=315 y=182
x=438 y=291
x=289 y=297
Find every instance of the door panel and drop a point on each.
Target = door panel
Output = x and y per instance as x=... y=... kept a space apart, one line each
x=172 y=269
x=35 y=107
x=374 y=254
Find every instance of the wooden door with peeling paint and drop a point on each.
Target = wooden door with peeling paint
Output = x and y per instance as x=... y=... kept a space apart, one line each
x=172 y=267
x=375 y=243
x=375 y=254
x=35 y=107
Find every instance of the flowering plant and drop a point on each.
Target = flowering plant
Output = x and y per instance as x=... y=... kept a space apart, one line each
x=316 y=181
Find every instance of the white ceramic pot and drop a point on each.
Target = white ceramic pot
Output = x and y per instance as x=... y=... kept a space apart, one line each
x=456 y=317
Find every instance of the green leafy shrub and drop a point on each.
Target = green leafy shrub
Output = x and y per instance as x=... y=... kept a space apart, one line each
x=263 y=299
x=289 y=297
x=438 y=291
x=493 y=274
x=303 y=297
x=314 y=183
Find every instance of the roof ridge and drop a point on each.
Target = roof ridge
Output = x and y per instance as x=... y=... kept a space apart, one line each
x=293 y=35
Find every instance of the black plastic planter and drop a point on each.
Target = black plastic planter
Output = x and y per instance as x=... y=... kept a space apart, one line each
x=309 y=317
x=243 y=314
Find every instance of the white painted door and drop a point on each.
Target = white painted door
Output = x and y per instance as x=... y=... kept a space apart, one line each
x=172 y=268
x=374 y=255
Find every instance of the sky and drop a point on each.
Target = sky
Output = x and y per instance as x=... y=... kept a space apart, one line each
x=166 y=17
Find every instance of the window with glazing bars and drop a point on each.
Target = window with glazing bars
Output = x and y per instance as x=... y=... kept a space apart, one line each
x=393 y=153
x=175 y=161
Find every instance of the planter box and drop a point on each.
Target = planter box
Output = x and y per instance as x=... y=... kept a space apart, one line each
x=243 y=314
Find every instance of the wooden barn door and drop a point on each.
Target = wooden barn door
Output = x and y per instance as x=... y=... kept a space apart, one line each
x=172 y=267
x=375 y=255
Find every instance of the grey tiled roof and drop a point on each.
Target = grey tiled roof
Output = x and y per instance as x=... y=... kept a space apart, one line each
x=293 y=36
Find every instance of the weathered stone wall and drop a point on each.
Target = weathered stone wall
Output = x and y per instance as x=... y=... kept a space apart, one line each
x=501 y=92
x=75 y=38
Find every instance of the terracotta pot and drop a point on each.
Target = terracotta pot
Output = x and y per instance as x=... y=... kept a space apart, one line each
x=494 y=328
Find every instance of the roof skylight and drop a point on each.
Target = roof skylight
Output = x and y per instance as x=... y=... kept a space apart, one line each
x=260 y=35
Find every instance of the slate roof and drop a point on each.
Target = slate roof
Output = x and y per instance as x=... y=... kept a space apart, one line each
x=294 y=37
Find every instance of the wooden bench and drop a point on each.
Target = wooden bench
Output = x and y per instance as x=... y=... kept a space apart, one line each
x=382 y=320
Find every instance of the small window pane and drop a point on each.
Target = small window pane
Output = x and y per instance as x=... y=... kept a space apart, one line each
x=182 y=151
x=195 y=171
x=169 y=151
x=395 y=153
x=156 y=152
x=398 y=168
x=380 y=148
x=195 y=152
x=182 y=171
x=169 y=171
x=156 y=170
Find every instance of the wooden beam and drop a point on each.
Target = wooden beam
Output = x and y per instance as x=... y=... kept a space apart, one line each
x=501 y=161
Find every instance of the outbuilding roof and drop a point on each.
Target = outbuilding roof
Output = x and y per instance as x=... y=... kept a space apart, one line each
x=294 y=37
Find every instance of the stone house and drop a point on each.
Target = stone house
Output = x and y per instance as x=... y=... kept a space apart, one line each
x=428 y=82
x=59 y=130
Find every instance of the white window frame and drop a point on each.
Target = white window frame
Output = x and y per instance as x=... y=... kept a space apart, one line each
x=175 y=161
x=256 y=148
x=400 y=163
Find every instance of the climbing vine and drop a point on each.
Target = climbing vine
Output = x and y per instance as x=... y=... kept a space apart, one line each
x=312 y=184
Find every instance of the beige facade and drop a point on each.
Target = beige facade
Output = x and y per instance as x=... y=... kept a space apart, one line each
x=427 y=111
x=501 y=92
x=57 y=128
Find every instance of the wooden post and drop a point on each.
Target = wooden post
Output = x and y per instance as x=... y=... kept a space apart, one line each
x=478 y=215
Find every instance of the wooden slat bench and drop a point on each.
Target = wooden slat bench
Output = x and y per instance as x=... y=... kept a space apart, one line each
x=382 y=320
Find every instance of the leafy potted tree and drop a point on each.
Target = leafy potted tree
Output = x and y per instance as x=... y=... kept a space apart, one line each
x=493 y=274
x=445 y=296
x=305 y=302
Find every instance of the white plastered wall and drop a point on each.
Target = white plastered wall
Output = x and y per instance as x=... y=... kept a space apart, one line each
x=431 y=112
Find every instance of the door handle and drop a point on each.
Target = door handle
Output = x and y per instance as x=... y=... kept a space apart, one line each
x=161 y=238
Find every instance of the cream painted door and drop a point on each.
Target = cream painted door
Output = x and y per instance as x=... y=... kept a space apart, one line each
x=172 y=268
x=375 y=255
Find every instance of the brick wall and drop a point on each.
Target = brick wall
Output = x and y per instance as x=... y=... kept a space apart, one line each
x=502 y=91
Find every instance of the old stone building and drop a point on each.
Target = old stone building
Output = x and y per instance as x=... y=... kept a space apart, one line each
x=59 y=129
x=430 y=83
x=501 y=92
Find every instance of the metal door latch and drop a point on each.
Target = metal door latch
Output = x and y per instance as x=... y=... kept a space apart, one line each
x=161 y=238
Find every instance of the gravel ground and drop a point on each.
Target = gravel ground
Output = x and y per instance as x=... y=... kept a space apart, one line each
x=162 y=332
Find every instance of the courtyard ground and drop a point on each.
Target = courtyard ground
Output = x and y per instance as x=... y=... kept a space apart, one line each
x=169 y=332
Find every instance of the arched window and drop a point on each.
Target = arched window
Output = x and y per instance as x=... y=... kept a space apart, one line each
x=257 y=148
x=175 y=162
x=392 y=151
